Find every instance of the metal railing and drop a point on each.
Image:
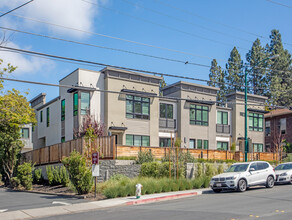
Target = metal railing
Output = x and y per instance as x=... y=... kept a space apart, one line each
x=223 y=128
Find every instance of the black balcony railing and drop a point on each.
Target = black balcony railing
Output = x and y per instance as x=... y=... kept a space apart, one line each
x=167 y=123
x=223 y=128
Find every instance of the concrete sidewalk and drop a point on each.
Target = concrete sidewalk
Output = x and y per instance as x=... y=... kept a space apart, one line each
x=87 y=206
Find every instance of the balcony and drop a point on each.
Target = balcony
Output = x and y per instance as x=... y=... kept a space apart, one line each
x=167 y=123
x=223 y=129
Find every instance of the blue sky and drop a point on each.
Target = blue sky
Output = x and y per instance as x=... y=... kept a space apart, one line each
x=201 y=29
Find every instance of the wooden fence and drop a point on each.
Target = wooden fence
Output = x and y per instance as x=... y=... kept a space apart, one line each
x=55 y=153
x=160 y=152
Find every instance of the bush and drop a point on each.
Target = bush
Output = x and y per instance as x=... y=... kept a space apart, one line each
x=220 y=169
x=56 y=176
x=14 y=182
x=198 y=182
x=186 y=157
x=111 y=192
x=145 y=157
x=1 y=183
x=37 y=176
x=79 y=173
x=50 y=174
x=64 y=176
x=206 y=181
x=24 y=174
x=199 y=170
x=150 y=169
x=210 y=170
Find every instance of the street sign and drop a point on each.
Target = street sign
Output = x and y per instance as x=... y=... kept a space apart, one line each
x=95 y=170
x=95 y=158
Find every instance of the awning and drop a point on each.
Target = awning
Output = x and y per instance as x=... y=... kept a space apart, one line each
x=201 y=102
x=257 y=110
x=76 y=88
x=118 y=128
x=139 y=92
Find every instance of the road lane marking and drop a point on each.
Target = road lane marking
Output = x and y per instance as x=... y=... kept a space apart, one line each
x=277 y=210
x=250 y=215
x=3 y=210
x=62 y=203
x=257 y=216
x=283 y=211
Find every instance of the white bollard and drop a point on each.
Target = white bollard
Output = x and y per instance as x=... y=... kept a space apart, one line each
x=138 y=190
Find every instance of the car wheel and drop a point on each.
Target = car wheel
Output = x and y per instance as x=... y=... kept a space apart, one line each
x=217 y=190
x=241 y=186
x=270 y=182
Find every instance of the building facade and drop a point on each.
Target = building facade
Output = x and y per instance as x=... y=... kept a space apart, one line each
x=133 y=110
x=278 y=128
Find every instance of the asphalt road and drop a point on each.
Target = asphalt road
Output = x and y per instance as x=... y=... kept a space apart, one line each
x=257 y=203
x=11 y=200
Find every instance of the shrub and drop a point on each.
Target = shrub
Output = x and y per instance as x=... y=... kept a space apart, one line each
x=220 y=169
x=127 y=158
x=206 y=181
x=150 y=169
x=210 y=170
x=145 y=157
x=50 y=175
x=24 y=174
x=198 y=182
x=37 y=176
x=186 y=157
x=1 y=183
x=15 y=182
x=199 y=170
x=79 y=173
x=56 y=176
x=111 y=192
x=64 y=176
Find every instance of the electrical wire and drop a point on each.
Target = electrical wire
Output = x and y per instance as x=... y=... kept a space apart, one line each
x=278 y=3
x=16 y=8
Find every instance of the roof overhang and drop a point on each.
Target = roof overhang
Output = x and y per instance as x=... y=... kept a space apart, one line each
x=81 y=88
x=257 y=110
x=134 y=92
x=201 y=102
x=117 y=128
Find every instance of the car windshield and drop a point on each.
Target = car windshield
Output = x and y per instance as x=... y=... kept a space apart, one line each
x=237 y=168
x=284 y=166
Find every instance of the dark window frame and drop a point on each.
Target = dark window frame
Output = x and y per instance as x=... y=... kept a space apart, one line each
x=221 y=115
x=133 y=100
x=63 y=112
x=75 y=105
x=197 y=109
x=41 y=116
x=22 y=133
x=165 y=141
x=222 y=145
x=84 y=111
x=166 y=110
x=255 y=124
x=48 y=116
x=141 y=136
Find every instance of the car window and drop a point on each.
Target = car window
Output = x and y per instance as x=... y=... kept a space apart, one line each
x=284 y=167
x=253 y=165
x=261 y=166
x=266 y=165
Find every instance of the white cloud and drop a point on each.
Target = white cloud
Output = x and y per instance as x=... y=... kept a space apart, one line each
x=25 y=64
x=70 y=13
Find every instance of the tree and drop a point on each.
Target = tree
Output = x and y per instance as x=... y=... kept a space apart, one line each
x=235 y=75
x=257 y=69
x=14 y=112
x=217 y=79
x=162 y=84
x=281 y=72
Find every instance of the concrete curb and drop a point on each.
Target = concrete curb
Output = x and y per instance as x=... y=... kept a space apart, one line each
x=162 y=198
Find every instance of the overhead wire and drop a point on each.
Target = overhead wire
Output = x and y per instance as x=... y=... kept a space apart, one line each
x=278 y=3
x=214 y=21
x=16 y=8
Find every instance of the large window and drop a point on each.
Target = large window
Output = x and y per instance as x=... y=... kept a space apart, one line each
x=48 y=117
x=41 y=116
x=199 y=115
x=258 y=147
x=192 y=144
x=283 y=125
x=85 y=102
x=137 y=140
x=222 y=118
x=166 y=111
x=222 y=145
x=75 y=104
x=268 y=128
x=256 y=122
x=164 y=142
x=63 y=110
x=24 y=133
x=137 y=107
x=202 y=144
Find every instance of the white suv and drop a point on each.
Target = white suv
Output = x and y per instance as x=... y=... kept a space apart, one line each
x=240 y=176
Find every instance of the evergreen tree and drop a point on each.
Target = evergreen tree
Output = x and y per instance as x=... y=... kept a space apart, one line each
x=280 y=75
x=256 y=69
x=235 y=75
x=216 y=79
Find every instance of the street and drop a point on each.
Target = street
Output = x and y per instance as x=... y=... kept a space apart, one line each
x=12 y=200
x=256 y=203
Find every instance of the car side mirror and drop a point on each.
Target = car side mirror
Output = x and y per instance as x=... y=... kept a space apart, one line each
x=251 y=169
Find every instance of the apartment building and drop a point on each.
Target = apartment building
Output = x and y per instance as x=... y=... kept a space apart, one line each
x=255 y=111
x=278 y=128
x=129 y=105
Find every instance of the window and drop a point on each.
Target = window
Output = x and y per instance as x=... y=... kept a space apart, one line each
x=62 y=139
x=24 y=133
x=85 y=102
x=206 y=144
x=48 y=117
x=41 y=116
x=166 y=111
x=268 y=128
x=199 y=144
x=63 y=110
x=164 y=142
x=256 y=122
x=192 y=144
x=283 y=125
x=137 y=140
x=222 y=145
x=137 y=107
x=258 y=148
x=222 y=118
x=199 y=115
x=75 y=104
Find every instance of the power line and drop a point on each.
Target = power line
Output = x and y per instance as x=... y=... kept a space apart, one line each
x=114 y=66
x=125 y=93
x=108 y=48
x=214 y=21
x=184 y=21
x=278 y=3
x=164 y=26
x=16 y=8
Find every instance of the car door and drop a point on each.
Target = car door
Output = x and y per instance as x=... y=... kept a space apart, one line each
x=253 y=175
x=262 y=171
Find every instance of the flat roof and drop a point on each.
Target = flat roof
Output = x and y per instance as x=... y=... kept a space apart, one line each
x=190 y=84
x=248 y=94
x=38 y=96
